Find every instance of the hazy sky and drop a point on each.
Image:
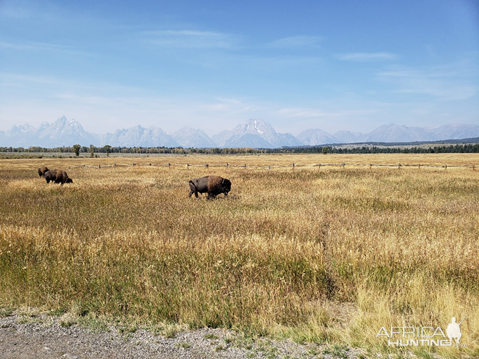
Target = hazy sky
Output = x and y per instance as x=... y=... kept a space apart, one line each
x=328 y=64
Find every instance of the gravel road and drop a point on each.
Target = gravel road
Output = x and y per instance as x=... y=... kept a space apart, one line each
x=41 y=336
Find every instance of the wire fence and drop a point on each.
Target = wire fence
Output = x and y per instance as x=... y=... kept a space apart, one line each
x=269 y=167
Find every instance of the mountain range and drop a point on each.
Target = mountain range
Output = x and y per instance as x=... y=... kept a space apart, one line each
x=253 y=133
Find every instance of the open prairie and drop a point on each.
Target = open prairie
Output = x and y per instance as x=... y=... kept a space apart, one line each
x=324 y=254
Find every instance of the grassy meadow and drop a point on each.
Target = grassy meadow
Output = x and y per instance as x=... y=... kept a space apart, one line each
x=327 y=255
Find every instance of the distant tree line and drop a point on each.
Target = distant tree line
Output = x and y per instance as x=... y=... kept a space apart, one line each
x=92 y=150
x=462 y=148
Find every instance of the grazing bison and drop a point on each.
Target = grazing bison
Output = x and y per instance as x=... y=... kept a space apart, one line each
x=214 y=185
x=58 y=176
x=50 y=175
x=42 y=170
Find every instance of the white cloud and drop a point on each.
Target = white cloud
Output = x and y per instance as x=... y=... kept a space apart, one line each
x=41 y=47
x=362 y=56
x=299 y=112
x=12 y=80
x=296 y=41
x=442 y=82
x=189 y=39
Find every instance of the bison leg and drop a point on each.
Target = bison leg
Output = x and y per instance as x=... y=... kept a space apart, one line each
x=193 y=189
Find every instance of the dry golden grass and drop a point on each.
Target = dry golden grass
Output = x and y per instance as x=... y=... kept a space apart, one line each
x=319 y=254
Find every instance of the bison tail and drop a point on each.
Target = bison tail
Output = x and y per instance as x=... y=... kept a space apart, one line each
x=193 y=189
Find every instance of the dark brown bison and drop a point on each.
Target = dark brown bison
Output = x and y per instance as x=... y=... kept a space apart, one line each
x=42 y=170
x=50 y=175
x=57 y=176
x=214 y=185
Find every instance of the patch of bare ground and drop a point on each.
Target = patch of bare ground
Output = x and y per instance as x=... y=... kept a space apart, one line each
x=43 y=336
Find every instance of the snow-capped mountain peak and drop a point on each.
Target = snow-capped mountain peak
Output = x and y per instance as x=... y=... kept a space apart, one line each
x=253 y=133
x=256 y=127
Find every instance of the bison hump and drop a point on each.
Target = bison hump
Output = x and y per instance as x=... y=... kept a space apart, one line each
x=214 y=181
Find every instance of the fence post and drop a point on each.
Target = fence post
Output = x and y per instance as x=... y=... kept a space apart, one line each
x=344 y=164
x=114 y=165
x=99 y=166
x=419 y=166
x=399 y=165
x=207 y=166
x=473 y=167
x=269 y=168
x=319 y=166
x=227 y=166
x=370 y=166
x=445 y=167
x=169 y=165
x=293 y=166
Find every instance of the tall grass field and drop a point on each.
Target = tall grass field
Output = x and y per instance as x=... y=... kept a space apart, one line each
x=325 y=254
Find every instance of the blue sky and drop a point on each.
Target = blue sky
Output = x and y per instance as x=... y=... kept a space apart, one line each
x=332 y=64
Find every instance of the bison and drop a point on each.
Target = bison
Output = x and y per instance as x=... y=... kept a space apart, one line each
x=214 y=185
x=57 y=176
x=50 y=175
x=42 y=170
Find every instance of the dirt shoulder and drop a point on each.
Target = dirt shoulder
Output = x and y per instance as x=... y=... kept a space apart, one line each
x=42 y=336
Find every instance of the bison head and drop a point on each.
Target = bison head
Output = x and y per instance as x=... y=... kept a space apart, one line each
x=225 y=186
